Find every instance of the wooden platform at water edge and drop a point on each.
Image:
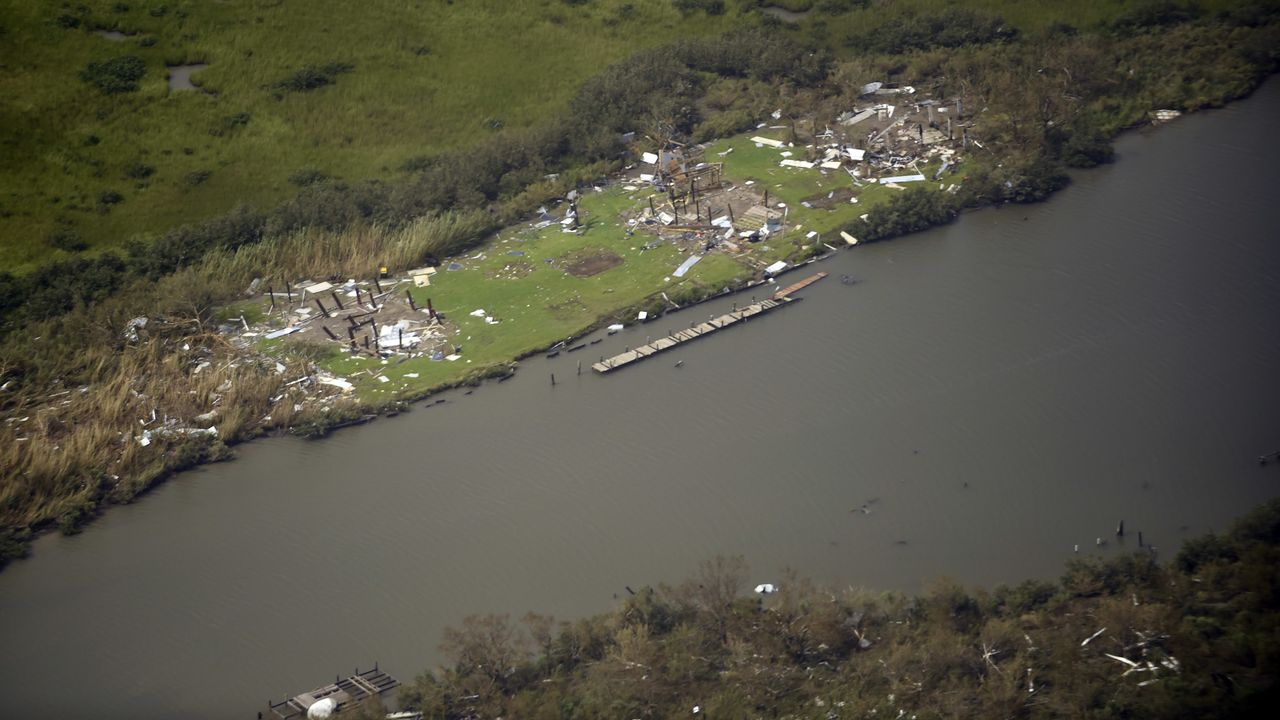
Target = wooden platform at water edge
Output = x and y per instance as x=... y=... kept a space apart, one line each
x=344 y=692
x=780 y=298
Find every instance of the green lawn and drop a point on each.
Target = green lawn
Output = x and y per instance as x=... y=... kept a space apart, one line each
x=537 y=303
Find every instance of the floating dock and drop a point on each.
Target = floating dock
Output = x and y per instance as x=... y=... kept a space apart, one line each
x=695 y=331
x=343 y=692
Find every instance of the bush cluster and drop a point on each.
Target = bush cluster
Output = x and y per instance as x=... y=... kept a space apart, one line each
x=117 y=75
x=311 y=77
x=951 y=28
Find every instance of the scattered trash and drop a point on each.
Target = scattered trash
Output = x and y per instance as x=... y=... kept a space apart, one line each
x=131 y=328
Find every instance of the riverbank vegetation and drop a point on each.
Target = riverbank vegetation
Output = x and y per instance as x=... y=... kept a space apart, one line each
x=1119 y=637
x=422 y=130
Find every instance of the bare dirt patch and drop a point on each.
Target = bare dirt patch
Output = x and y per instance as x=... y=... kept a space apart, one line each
x=592 y=264
x=830 y=199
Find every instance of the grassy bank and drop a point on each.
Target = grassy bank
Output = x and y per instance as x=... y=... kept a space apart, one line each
x=1126 y=637
x=79 y=389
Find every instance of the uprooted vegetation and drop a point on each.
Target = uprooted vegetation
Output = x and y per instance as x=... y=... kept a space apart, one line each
x=1126 y=637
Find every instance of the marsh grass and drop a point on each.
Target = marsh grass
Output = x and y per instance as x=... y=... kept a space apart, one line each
x=421 y=79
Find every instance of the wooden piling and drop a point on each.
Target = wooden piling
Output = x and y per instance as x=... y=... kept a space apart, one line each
x=321 y=306
x=337 y=301
x=412 y=304
x=328 y=332
x=553 y=379
x=377 y=285
x=271 y=294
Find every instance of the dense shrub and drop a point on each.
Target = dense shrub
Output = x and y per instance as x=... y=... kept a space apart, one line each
x=311 y=77
x=116 y=75
x=1033 y=182
x=1153 y=14
x=710 y=7
x=307 y=176
x=951 y=28
x=67 y=239
x=1082 y=149
x=138 y=171
x=909 y=211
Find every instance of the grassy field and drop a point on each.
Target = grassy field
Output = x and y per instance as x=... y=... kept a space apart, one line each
x=425 y=76
x=87 y=170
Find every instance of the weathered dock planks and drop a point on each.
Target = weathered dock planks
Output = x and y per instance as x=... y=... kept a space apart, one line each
x=343 y=692
x=796 y=287
x=693 y=332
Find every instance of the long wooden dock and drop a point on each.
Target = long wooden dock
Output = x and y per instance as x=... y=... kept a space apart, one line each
x=695 y=331
x=796 y=287
x=692 y=333
x=343 y=692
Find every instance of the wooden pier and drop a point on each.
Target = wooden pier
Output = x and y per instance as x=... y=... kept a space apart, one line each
x=343 y=692
x=692 y=333
x=695 y=331
x=796 y=287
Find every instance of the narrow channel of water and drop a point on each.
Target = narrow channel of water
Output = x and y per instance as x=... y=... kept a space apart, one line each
x=995 y=392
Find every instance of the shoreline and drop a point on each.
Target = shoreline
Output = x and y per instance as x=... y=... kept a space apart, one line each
x=201 y=452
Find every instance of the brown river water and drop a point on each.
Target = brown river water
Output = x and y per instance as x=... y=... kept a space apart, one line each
x=994 y=392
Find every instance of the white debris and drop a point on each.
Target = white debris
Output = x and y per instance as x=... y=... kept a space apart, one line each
x=478 y=312
x=767 y=141
x=131 y=327
x=1092 y=637
x=649 y=158
x=766 y=588
x=335 y=382
x=797 y=164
